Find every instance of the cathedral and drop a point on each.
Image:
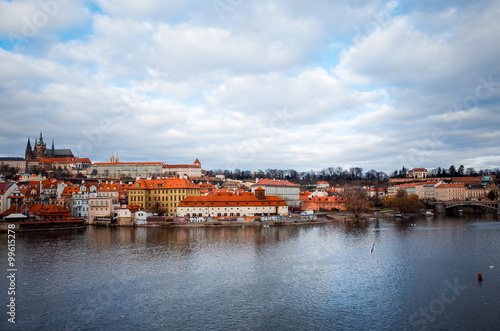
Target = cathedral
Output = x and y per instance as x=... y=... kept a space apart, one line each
x=40 y=151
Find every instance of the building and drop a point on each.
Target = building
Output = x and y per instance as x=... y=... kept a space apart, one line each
x=450 y=192
x=161 y=196
x=73 y=165
x=392 y=191
x=118 y=170
x=282 y=189
x=103 y=204
x=426 y=190
x=226 y=204
x=80 y=200
x=9 y=195
x=14 y=162
x=418 y=173
x=182 y=170
x=476 y=192
x=318 y=203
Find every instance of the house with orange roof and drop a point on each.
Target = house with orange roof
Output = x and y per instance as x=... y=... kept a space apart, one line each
x=226 y=204
x=130 y=215
x=104 y=203
x=49 y=212
x=80 y=199
x=162 y=196
x=427 y=190
x=73 y=165
x=283 y=189
x=319 y=203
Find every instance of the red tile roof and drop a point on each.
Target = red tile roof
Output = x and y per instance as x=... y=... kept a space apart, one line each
x=246 y=199
x=274 y=182
x=169 y=183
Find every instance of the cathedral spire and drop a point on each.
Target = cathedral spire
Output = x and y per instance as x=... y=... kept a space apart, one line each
x=40 y=141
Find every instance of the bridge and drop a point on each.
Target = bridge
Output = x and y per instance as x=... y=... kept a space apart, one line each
x=441 y=206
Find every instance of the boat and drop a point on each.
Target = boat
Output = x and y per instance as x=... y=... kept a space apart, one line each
x=402 y=215
x=429 y=213
x=61 y=224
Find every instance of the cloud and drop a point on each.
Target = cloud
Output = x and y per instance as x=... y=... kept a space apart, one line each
x=281 y=84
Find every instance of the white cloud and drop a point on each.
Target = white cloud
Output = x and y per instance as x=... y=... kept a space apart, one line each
x=264 y=85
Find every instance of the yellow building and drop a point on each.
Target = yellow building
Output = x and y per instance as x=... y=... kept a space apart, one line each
x=161 y=196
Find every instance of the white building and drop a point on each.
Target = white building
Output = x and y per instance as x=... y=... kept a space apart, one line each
x=80 y=201
x=182 y=170
x=282 y=189
x=225 y=204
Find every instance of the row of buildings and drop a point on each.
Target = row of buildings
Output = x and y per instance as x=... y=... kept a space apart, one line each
x=105 y=201
x=459 y=189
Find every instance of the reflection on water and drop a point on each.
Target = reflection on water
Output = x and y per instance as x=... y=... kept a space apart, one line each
x=251 y=278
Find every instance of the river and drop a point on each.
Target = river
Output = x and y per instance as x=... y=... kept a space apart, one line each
x=375 y=275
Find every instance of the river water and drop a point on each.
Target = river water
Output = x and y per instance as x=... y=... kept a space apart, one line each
x=421 y=274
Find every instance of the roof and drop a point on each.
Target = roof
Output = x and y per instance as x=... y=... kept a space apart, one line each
x=11 y=159
x=173 y=166
x=59 y=152
x=169 y=183
x=66 y=160
x=274 y=182
x=326 y=199
x=4 y=187
x=70 y=190
x=225 y=199
x=126 y=163
x=418 y=169
x=455 y=185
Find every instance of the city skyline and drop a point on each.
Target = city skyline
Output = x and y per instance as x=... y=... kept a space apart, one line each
x=251 y=85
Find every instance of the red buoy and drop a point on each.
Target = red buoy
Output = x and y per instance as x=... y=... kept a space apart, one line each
x=479 y=276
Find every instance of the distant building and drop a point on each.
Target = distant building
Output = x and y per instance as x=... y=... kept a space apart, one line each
x=73 y=165
x=14 y=162
x=282 y=189
x=117 y=170
x=418 y=173
x=182 y=170
x=318 y=203
x=40 y=151
x=450 y=192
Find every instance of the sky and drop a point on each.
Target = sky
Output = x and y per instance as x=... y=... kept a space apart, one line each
x=243 y=84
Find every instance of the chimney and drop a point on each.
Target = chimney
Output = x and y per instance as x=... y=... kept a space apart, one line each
x=260 y=193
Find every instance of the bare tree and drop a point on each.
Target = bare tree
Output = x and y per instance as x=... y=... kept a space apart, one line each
x=356 y=203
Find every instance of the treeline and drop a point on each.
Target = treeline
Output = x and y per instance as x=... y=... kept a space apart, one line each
x=337 y=174
x=452 y=171
x=340 y=175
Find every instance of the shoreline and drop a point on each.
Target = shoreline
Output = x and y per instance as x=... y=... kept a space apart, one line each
x=328 y=219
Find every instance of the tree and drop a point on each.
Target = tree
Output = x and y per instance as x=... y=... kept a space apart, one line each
x=452 y=171
x=356 y=203
x=470 y=171
x=461 y=170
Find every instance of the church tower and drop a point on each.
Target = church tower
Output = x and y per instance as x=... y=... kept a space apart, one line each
x=40 y=148
x=28 y=155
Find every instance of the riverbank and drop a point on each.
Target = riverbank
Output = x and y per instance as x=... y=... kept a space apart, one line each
x=325 y=218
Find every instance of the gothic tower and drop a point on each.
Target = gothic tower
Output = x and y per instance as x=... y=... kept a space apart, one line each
x=40 y=148
x=28 y=155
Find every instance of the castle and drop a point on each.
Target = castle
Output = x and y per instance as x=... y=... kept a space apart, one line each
x=40 y=152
